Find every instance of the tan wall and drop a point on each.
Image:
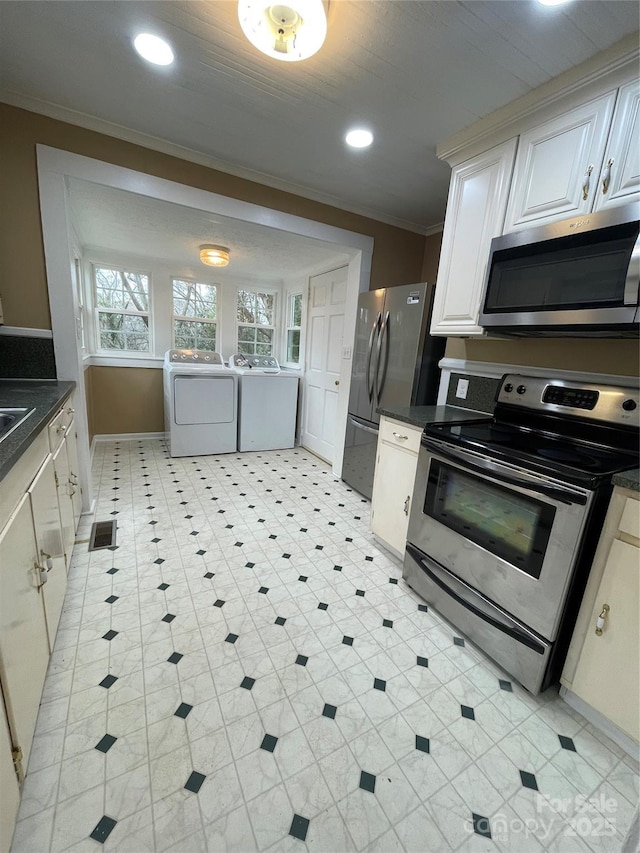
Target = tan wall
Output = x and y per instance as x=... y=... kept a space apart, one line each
x=592 y=356
x=397 y=257
x=125 y=399
x=431 y=258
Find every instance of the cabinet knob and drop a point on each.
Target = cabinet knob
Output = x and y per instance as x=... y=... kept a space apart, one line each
x=606 y=176
x=586 y=183
x=70 y=411
x=601 y=619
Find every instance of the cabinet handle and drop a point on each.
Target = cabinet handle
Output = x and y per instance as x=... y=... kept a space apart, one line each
x=400 y=437
x=601 y=618
x=606 y=177
x=70 y=411
x=61 y=429
x=406 y=505
x=48 y=560
x=586 y=184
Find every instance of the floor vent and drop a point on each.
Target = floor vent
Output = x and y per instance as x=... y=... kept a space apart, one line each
x=103 y=535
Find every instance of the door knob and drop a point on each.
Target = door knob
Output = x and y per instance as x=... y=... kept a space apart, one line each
x=337 y=382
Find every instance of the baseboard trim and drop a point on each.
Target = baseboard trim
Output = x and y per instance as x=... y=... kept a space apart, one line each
x=125 y=436
x=600 y=722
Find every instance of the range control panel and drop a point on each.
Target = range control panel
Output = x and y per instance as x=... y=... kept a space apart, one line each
x=613 y=404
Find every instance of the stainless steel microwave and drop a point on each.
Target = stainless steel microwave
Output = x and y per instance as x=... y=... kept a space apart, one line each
x=577 y=277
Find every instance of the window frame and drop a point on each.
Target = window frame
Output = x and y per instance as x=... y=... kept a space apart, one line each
x=174 y=316
x=113 y=352
x=287 y=326
x=266 y=291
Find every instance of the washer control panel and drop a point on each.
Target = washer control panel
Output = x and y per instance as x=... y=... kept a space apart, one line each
x=193 y=356
x=263 y=363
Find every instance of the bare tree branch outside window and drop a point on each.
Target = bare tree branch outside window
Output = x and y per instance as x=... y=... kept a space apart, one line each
x=255 y=316
x=122 y=300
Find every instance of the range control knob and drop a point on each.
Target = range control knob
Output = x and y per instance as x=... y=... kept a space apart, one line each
x=629 y=405
x=508 y=387
x=521 y=389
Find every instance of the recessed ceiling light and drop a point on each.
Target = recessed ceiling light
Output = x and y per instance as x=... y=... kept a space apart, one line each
x=153 y=49
x=552 y=2
x=359 y=138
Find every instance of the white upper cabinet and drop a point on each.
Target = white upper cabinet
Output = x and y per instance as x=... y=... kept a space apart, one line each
x=619 y=181
x=558 y=166
x=475 y=215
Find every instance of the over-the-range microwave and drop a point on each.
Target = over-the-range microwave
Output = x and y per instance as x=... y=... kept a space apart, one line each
x=576 y=277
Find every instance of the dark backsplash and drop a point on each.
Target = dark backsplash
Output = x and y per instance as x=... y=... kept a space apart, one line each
x=481 y=394
x=26 y=358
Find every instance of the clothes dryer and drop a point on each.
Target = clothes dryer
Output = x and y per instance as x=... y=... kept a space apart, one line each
x=200 y=403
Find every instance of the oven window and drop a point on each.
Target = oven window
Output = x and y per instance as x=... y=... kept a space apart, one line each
x=512 y=526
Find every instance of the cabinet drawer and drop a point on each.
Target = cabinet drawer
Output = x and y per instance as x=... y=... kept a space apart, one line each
x=400 y=435
x=57 y=429
x=630 y=521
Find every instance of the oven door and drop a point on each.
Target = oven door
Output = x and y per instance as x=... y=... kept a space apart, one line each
x=512 y=534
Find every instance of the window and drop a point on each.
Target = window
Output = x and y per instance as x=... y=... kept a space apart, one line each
x=255 y=314
x=294 y=322
x=122 y=305
x=194 y=315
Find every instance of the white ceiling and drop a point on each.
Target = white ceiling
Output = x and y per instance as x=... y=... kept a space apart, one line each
x=113 y=219
x=414 y=72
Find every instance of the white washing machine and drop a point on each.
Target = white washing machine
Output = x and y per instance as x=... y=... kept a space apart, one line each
x=200 y=403
x=268 y=403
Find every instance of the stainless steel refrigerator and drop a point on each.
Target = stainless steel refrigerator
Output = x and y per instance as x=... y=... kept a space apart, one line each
x=395 y=363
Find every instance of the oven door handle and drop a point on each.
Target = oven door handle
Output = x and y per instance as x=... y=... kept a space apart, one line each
x=563 y=496
x=465 y=595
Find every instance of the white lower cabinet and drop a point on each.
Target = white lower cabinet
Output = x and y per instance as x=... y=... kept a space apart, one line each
x=65 y=498
x=9 y=789
x=46 y=521
x=603 y=664
x=75 y=492
x=24 y=645
x=396 y=463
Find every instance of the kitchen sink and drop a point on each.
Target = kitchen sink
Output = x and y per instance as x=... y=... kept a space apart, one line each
x=12 y=418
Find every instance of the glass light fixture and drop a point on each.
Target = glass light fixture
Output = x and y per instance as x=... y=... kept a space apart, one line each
x=214 y=256
x=153 y=49
x=359 y=138
x=552 y=2
x=288 y=31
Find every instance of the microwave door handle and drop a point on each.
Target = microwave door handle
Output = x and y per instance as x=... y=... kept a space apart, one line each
x=632 y=281
x=472 y=600
x=370 y=377
x=383 y=338
x=563 y=496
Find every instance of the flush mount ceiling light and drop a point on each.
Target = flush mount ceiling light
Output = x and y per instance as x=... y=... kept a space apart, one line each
x=552 y=2
x=214 y=256
x=288 y=31
x=153 y=49
x=359 y=138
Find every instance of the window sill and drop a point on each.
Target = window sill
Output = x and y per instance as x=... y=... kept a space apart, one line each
x=128 y=360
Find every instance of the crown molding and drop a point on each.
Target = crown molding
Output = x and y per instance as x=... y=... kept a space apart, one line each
x=126 y=134
x=607 y=69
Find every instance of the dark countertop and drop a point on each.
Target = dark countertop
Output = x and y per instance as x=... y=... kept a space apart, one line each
x=45 y=396
x=628 y=480
x=419 y=416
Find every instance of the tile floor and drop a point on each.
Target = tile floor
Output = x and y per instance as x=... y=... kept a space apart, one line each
x=247 y=671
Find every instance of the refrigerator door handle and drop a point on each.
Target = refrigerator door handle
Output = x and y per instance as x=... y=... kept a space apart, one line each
x=382 y=337
x=356 y=423
x=370 y=376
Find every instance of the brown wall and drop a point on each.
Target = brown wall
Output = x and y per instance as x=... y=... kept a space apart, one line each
x=431 y=258
x=591 y=356
x=124 y=399
x=398 y=254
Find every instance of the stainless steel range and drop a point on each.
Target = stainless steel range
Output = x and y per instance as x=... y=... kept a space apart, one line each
x=507 y=512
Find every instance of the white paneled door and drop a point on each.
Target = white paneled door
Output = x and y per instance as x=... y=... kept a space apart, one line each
x=325 y=323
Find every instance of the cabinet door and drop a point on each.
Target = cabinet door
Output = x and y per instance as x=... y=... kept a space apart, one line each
x=620 y=176
x=48 y=529
x=475 y=215
x=8 y=784
x=64 y=487
x=558 y=164
x=392 y=492
x=607 y=673
x=24 y=648
x=74 y=479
